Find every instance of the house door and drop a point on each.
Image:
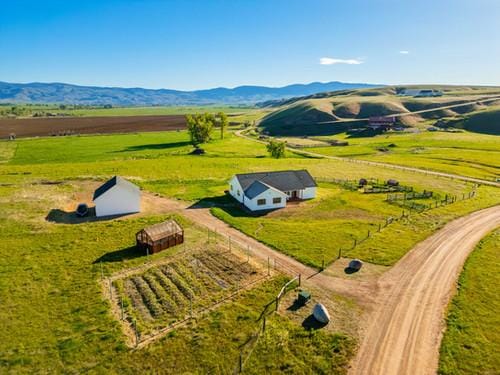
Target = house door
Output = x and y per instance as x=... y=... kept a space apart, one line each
x=294 y=194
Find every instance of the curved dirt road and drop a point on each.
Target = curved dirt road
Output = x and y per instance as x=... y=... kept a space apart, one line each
x=405 y=329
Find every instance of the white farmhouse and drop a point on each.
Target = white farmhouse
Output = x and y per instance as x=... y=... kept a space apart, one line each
x=117 y=197
x=271 y=190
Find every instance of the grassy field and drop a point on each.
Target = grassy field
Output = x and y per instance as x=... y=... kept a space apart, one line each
x=467 y=154
x=51 y=297
x=471 y=343
x=338 y=217
x=60 y=322
x=28 y=110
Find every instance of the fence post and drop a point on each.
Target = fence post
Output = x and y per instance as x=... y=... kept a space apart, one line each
x=121 y=305
x=340 y=253
x=241 y=362
x=264 y=324
x=379 y=227
x=277 y=302
x=368 y=235
x=300 y=279
x=268 y=266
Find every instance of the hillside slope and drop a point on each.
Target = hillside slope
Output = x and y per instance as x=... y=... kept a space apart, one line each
x=330 y=113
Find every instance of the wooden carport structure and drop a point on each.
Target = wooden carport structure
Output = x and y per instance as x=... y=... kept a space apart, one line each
x=160 y=236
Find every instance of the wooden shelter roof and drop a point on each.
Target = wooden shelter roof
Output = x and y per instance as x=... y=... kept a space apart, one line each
x=162 y=230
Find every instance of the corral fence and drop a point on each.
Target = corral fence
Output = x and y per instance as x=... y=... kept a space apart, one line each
x=249 y=346
x=370 y=186
x=405 y=197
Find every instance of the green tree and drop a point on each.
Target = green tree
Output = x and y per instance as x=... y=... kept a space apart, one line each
x=222 y=123
x=200 y=127
x=276 y=149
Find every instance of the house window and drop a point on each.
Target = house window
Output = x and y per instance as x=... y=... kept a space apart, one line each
x=238 y=192
x=231 y=187
x=277 y=200
x=261 y=202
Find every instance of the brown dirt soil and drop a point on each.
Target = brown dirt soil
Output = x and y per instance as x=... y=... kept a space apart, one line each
x=32 y=127
x=403 y=332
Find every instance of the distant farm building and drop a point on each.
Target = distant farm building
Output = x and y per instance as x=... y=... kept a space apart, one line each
x=271 y=190
x=381 y=122
x=421 y=93
x=117 y=197
x=160 y=236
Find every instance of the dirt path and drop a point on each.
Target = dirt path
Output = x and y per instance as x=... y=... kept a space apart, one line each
x=360 y=291
x=405 y=329
x=404 y=307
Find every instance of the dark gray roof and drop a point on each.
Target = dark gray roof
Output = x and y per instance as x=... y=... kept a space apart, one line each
x=281 y=180
x=109 y=184
x=256 y=188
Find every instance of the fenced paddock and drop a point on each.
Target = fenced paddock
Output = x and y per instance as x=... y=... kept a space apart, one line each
x=153 y=299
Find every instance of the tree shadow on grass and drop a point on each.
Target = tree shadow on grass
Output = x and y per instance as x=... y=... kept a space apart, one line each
x=127 y=253
x=310 y=323
x=155 y=146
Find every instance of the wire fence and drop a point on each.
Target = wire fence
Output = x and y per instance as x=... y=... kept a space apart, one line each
x=248 y=347
x=215 y=244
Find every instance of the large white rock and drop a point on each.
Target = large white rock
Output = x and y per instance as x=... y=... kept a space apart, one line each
x=320 y=313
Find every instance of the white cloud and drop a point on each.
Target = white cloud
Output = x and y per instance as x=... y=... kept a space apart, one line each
x=404 y=52
x=332 y=61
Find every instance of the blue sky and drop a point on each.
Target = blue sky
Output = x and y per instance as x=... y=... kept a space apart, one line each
x=203 y=44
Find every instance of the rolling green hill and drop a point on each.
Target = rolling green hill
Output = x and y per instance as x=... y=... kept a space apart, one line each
x=331 y=113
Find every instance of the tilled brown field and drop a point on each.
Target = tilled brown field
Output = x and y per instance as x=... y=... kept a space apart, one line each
x=32 y=127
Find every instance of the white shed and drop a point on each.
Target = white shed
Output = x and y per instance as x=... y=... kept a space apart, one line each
x=117 y=197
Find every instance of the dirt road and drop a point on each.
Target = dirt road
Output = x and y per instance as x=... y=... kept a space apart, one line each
x=404 y=308
x=405 y=329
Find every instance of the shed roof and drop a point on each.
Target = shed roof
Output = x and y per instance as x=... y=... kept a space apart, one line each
x=161 y=230
x=281 y=180
x=116 y=180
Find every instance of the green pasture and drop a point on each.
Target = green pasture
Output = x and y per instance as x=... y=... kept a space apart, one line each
x=462 y=153
x=471 y=343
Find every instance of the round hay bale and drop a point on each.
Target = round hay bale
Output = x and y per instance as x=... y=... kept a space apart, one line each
x=355 y=264
x=320 y=313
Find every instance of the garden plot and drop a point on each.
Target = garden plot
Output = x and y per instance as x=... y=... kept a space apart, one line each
x=168 y=293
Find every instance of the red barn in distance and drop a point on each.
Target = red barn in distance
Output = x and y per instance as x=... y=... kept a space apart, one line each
x=381 y=122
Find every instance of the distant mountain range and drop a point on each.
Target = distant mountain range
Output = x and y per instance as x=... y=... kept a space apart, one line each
x=63 y=93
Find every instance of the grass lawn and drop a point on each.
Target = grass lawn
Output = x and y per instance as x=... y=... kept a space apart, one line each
x=315 y=230
x=471 y=343
x=58 y=320
x=468 y=154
